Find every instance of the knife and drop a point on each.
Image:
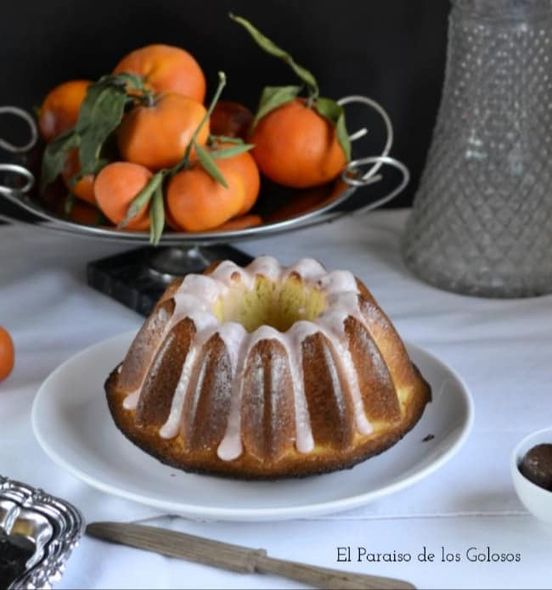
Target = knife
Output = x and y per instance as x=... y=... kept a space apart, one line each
x=235 y=557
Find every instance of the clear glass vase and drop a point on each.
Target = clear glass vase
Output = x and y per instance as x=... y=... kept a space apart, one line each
x=482 y=217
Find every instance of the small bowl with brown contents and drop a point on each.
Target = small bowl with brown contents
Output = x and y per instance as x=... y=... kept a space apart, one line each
x=532 y=473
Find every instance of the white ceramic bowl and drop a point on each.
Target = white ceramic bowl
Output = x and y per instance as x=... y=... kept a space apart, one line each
x=536 y=499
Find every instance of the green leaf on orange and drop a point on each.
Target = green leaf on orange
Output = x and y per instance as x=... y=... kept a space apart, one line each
x=271 y=48
x=274 y=97
x=335 y=113
x=209 y=165
x=142 y=198
x=101 y=113
x=185 y=162
x=55 y=156
x=157 y=216
x=230 y=152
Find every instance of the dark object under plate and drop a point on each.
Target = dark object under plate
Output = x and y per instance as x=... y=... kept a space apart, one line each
x=137 y=278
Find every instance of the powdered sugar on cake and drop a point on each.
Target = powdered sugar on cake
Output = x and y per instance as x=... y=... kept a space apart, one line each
x=196 y=299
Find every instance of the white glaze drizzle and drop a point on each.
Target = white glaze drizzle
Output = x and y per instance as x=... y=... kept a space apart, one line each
x=131 y=400
x=332 y=324
x=195 y=299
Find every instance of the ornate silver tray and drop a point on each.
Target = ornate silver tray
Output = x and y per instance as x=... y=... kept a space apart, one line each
x=38 y=532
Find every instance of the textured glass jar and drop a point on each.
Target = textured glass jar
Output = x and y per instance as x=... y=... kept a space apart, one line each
x=482 y=217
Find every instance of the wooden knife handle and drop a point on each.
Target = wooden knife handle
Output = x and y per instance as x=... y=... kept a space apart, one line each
x=320 y=577
x=180 y=545
x=235 y=558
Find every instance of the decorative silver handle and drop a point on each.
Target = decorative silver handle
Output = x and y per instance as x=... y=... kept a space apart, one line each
x=368 y=178
x=352 y=174
x=16 y=170
x=29 y=120
x=10 y=190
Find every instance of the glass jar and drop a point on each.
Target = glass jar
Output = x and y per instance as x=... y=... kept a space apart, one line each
x=482 y=217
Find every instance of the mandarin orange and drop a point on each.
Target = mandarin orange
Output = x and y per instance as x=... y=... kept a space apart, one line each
x=231 y=119
x=295 y=146
x=83 y=188
x=197 y=202
x=156 y=136
x=115 y=187
x=166 y=69
x=60 y=109
x=7 y=353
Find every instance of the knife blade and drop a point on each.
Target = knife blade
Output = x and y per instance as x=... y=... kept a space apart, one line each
x=235 y=557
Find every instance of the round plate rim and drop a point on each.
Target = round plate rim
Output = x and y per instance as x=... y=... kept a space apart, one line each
x=253 y=514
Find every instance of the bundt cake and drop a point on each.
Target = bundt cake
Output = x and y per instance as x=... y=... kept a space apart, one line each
x=266 y=372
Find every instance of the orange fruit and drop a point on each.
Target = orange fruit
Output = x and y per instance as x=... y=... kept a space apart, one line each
x=249 y=172
x=231 y=119
x=297 y=147
x=7 y=353
x=85 y=214
x=84 y=187
x=196 y=202
x=170 y=222
x=247 y=168
x=115 y=187
x=307 y=200
x=156 y=136
x=166 y=69
x=60 y=110
x=242 y=222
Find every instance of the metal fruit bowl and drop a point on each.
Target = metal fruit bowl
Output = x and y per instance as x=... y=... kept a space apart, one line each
x=282 y=209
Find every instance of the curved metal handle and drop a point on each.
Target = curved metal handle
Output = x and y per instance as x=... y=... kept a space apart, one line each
x=13 y=191
x=29 y=120
x=352 y=177
x=364 y=100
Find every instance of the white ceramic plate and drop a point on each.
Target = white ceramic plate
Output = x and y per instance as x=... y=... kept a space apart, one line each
x=72 y=424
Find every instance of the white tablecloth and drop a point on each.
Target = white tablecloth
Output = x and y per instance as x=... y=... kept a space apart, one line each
x=502 y=349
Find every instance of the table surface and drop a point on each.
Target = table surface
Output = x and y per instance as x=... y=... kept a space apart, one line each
x=501 y=348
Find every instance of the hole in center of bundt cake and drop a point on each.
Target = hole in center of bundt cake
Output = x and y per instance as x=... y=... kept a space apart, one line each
x=268 y=303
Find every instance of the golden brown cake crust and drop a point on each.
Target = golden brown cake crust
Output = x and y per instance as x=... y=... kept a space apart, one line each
x=172 y=452
x=392 y=392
